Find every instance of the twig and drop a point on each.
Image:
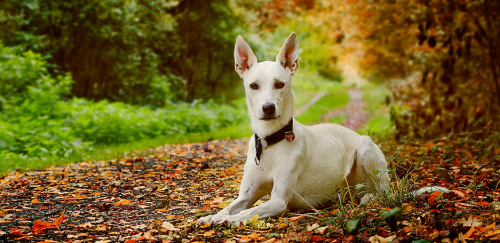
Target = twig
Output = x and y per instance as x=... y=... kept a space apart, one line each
x=315 y=210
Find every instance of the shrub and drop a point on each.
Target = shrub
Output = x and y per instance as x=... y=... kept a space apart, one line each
x=36 y=119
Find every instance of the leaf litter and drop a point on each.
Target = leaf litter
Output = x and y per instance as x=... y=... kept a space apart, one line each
x=157 y=195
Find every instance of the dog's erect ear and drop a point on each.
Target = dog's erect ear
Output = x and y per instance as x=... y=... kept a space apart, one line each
x=243 y=56
x=288 y=56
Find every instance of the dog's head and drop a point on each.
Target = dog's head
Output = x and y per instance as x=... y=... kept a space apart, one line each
x=268 y=84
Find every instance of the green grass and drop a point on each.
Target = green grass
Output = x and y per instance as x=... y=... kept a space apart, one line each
x=123 y=150
x=301 y=98
x=329 y=102
x=379 y=123
x=338 y=119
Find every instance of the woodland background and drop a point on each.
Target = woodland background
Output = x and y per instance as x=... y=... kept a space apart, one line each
x=82 y=80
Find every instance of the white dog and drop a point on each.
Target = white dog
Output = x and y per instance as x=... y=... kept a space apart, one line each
x=300 y=166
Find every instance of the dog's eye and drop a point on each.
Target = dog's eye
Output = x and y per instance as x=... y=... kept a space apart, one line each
x=279 y=85
x=254 y=86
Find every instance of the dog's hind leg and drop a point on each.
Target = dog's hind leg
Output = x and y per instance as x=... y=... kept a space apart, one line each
x=369 y=167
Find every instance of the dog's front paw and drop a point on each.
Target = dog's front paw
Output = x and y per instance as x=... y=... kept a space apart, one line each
x=206 y=220
x=230 y=221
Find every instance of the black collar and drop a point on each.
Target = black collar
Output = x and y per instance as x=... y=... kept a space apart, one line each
x=285 y=132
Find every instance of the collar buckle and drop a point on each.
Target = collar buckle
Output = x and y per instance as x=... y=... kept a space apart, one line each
x=262 y=143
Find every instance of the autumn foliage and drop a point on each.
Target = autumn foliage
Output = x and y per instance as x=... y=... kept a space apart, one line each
x=447 y=54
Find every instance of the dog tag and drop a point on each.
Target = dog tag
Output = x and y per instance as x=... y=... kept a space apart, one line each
x=289 y=136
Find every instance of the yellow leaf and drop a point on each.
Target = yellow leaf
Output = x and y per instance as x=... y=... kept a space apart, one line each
x=255 y=219
x=96 y=194
x=122 y=202
x=34 y=201
x=161 y=210
x=205 y=226
x=491 y=233
x=208 y=233
x=407 y=207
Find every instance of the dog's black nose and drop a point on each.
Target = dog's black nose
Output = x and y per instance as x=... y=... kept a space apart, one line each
x=268 y=108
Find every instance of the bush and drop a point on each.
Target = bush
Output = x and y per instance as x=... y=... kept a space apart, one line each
x=36 y=119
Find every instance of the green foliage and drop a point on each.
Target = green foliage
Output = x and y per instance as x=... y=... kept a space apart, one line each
x=36 y=121
x=140 y=52
x=352 y=226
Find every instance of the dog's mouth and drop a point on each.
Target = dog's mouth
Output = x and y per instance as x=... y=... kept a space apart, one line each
x=265 y=118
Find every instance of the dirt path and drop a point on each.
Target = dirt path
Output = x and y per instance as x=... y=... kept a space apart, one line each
x=354 y=110
x=310 y=103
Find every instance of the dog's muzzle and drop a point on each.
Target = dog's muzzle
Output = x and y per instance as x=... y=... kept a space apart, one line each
x=269 y=110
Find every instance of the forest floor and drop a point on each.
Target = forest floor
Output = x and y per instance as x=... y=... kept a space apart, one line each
x=158 y=194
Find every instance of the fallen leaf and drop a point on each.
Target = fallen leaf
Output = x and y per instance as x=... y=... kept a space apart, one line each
x=321 y=230
x=316 y=238
x=491 y=233
x=15 y=231
x=208 y=233
x=34 y=201
x=122 y=202
x=471 y=222
x=312 y=227
x=380 y=239
x=136 y=239
x=205 y=226
x=254 y=219
x=59 y=220
x=458 y=193
x=168 y=226
x=469 y=233
x=486 y=228
x=39 y=226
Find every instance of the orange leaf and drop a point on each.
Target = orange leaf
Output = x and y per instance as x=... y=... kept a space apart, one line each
x=208 y=233
x=34 y=201
x=459 y=193
x=122 y=202
x=488 y=227
x=205 y=226
x=431 y=199
x=15 y=231
x=59 y=220
x=483 y=203
x=136 y=239
x=407 y=207
x=39 y=226
x=316 y=238
x=437 y=193
x=469 y=233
